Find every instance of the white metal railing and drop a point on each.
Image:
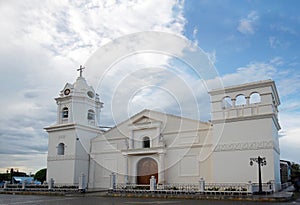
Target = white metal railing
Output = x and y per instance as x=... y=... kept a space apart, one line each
x=266 y=187
x=227 y=187
x=210 y=188
x=124 y=186
x=178 y=186
x=41 y=187
x=27 y=185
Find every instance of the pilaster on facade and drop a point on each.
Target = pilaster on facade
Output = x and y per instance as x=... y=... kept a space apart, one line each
x=161 y=168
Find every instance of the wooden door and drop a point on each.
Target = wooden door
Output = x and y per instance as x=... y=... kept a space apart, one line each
x=146 y=168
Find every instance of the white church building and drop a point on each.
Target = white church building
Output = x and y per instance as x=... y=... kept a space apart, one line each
x=173 y=149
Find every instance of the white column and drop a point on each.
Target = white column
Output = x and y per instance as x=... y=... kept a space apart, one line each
x=273 y=185
x=201 y=185
x=113 y=181
x=250 y=187
x=51 y=184
x=233 y=102
x=152 y=183
x=23 y=185
x=82 y=182
x=161 y=171
x=247 y=100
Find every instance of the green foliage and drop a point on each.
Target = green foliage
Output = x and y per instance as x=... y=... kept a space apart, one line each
x=19 y=174
x=295 y=171
x=4 y=177
x=41 y=175
x=11 y=173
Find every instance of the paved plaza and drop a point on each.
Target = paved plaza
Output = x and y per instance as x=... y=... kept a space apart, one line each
x=74 y=200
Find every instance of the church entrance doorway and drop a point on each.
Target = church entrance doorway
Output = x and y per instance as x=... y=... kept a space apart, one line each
x=146 y=168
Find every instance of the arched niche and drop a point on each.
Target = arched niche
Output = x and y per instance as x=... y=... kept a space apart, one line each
x=240 y=100
x=146 y=142
x=91 y=115
x=61 y=149
x=146 y=168
x=255 y=98
x=226 y=102
x=65 y=112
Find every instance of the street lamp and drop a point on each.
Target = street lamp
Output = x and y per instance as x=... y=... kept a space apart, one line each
x=261 y=161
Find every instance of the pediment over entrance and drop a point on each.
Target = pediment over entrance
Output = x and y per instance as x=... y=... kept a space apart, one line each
x=145 y=120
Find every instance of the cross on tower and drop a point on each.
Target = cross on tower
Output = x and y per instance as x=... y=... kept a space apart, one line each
x=80 y=70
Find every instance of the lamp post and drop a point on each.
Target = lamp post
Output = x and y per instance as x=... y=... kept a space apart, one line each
x=261 y=161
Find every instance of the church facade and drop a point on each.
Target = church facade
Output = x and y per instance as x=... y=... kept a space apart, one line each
x=174 y=149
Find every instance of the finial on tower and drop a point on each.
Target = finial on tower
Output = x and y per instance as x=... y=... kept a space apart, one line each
x=80 y=70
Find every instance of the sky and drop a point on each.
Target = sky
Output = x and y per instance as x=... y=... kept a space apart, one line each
x=44 y=42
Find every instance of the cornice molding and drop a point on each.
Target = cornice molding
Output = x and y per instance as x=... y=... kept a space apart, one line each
x=247 y=146
x=67 y=126
x=252 y=117
x=67 y=157
x=246 y=86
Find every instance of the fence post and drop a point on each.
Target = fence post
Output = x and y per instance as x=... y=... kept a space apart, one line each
x=250 y=187
x=152 y=183
x=113 y=181
x=51 y=184
x=82 y=184
x=5 y=185
x=273 y=184
x=201 y=185
x=23 y=185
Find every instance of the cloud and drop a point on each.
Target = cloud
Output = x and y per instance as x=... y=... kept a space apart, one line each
x=164 y=84
x=276 y=43
x=137 y=89
x=246 y=25
x=289 y=140
x=283 y=28
x=76 y=30
x=212 y=56
x=42 y=43
x=150 y=70
x=252 y=72
x=287 y=82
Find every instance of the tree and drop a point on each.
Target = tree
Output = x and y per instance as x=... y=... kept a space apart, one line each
x=295 y=171
x=41 y=175
x=4 y=177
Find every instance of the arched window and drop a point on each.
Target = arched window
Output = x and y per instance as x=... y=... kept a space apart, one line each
x=61 y=149
x=240 y=100
x=226 y=102
x=91 y=115
x=146 y=142
x=65 y=112
x=255 y=98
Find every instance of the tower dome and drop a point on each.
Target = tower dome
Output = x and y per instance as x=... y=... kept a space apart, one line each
x=81 y=84
x=79 y=103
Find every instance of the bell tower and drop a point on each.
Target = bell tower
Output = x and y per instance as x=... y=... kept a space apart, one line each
x=245 y=125
x=78 y=115
x=78 y=103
